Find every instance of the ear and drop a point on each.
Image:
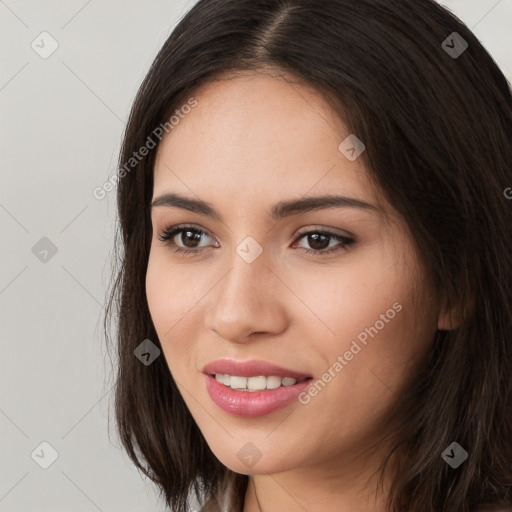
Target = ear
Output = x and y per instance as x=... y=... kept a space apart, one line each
x=450 y=316
x=448 y=321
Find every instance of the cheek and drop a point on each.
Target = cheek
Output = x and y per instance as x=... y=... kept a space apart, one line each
x=378 y=353
x=172 y=300
x=351 y=297
x=369 y=311
x=159 y=294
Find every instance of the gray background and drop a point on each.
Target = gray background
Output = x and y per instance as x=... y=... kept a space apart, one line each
x=62 y=121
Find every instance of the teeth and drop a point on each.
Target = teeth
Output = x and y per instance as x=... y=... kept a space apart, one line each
x=238 y=382
x=273 y=382
x=254 y=383
x=257 y=382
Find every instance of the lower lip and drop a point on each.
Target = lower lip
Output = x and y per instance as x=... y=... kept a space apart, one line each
x=250 y=404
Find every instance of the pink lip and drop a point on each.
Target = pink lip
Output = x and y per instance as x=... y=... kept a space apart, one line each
x=250 y=368
x=250 y=404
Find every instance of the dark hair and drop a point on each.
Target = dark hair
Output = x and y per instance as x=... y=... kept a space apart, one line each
x=437 y=129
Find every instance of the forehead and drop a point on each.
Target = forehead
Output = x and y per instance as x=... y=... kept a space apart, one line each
x=255 y=135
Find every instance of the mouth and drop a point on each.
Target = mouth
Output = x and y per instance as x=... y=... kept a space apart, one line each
x=253 y=388
x=251 y=403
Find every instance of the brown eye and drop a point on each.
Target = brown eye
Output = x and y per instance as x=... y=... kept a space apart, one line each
x=189 y=237
x=319 y=242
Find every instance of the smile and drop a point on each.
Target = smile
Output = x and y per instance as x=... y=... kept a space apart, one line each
x=258 y=383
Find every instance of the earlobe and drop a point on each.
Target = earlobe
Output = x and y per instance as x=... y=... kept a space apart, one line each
x=448 y=321
x=451 y=317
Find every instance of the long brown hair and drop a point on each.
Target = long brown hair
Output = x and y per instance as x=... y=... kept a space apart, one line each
x=437 y=128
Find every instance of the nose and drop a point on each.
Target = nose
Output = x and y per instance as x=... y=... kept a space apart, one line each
x=248 y=300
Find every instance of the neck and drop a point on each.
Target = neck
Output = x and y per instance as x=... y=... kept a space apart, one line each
x=296 y=491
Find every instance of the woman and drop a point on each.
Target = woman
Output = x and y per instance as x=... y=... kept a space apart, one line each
x=315 y=283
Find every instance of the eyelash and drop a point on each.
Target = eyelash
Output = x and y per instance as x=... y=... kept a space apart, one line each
x=167 y=235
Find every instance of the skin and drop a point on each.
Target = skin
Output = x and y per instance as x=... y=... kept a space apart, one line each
x=253 y=140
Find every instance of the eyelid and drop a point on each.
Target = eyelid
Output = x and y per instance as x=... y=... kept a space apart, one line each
x=329 y=230
x=301 y=231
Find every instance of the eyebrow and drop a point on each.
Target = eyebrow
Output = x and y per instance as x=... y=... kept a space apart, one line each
x=277 y=212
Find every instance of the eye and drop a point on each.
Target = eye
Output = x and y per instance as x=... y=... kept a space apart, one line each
x=191 y=237
x=320 y=239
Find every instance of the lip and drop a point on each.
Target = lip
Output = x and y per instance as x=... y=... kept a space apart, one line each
x=251 y=368
x=250 y=404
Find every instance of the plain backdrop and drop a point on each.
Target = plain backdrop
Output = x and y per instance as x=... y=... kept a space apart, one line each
x=62 y=119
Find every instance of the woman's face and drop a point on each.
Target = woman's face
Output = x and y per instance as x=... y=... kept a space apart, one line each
x=357 y=320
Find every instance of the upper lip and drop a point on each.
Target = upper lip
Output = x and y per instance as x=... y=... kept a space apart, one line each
x=251 y=368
